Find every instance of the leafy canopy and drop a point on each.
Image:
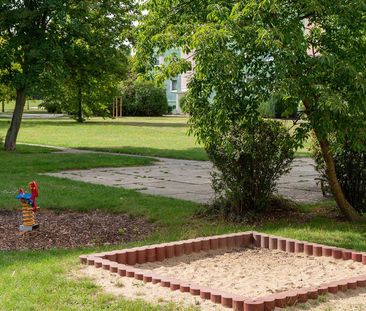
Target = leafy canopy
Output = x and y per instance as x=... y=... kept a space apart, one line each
x=248 y=51
x=94 y=57
x=49 y=46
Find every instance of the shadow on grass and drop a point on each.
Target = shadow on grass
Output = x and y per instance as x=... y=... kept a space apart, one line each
x=69 y=122
x=146 y=124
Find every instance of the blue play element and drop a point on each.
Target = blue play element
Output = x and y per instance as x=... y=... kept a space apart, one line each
x=25 y=196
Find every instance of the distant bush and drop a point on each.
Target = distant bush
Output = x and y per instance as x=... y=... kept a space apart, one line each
x=267 y=109
x=144 y=99
x=52 y=107
x=276 y=108
x=248 y=160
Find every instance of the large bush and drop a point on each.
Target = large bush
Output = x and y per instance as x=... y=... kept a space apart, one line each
x=351 y=172
x=144 y=99
x=248 y=160
x=52 y=107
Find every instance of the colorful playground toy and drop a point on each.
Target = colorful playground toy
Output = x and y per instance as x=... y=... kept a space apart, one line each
x=29 y=207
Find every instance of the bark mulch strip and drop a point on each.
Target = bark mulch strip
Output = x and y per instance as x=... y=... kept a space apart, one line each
x=70 y=230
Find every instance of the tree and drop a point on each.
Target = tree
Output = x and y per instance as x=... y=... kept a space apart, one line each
x=94 y=59
x=34 y=36
x=246 y=52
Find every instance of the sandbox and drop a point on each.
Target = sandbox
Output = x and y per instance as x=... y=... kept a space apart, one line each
x=244 y=271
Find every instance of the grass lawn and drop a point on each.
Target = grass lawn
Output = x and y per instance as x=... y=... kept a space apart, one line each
x=31 y=106
x=40 y=280
x=164 y=137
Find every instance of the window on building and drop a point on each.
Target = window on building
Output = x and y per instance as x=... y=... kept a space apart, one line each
x=174 y=85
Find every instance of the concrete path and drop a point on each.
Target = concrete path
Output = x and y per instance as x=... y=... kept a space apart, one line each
x=190 y=180
x=35 y=116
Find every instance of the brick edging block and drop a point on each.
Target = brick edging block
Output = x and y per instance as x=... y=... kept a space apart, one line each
x=123 y=262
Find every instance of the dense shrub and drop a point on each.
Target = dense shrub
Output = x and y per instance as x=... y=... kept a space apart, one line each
x=351 y=172
x=144 y=99
x=248 y=160
x=52 y=107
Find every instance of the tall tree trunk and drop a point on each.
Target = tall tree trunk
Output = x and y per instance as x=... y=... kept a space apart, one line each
x=12 y=134
x=3 y=106
x=80 y=106
x=336 y=188
x=345 y=207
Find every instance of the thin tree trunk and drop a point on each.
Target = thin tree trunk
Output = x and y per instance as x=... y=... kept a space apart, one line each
x=3 y=106
x=345 y=207
x=80 y=107
x=336 y=188
x=12 y=134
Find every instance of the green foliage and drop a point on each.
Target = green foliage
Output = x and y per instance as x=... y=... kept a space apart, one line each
x=249 y=158
x=94 y=59
x=6 y=94
x=52 y=107
x=51 y=274
x=144 y=98
x=282 y=110
x=183 y=104
x=73 y=53
x=351 y=172
x=267 y=109
x=247 y=52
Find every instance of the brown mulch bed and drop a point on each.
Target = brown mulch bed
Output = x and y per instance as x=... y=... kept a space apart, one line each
x=70 y=230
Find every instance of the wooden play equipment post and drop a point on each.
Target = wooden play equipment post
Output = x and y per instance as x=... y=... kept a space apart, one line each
x=117 y=107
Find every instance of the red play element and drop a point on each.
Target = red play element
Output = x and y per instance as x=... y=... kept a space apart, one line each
x=33 y=187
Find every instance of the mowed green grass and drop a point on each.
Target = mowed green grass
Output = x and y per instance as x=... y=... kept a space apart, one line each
x=163 y=137
x=29 y=163
x=39 y=280
x=31 y=106
x=43 y=280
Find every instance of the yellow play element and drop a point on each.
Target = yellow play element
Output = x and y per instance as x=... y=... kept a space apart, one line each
x=29 y=218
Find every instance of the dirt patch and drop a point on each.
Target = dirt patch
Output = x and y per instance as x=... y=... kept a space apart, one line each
x=255 y=272
x=70 y=230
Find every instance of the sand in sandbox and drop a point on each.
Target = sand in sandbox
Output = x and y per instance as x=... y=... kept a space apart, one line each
x=255 y=272
x=129 y=288
x=132 y=289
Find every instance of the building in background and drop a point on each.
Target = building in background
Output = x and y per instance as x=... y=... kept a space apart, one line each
x=176 y=87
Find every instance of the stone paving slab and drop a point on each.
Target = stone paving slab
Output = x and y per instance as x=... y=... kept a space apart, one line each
x=190 y=180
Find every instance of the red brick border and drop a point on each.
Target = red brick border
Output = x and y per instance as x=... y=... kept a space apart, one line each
x=123 y=261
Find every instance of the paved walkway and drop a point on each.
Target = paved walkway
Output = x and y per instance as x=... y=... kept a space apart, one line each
x=190 y=180
x=35 y=116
